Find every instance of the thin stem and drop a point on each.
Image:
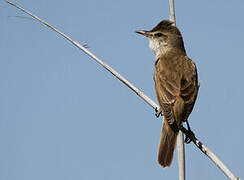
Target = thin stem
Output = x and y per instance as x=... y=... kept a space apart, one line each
x=136 y=90
x=181 y=156
x=85 y=50
x=180 y=138
x=172 y=11
x=210 y=155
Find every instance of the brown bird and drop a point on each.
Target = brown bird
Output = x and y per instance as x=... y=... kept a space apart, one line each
x=176 y=84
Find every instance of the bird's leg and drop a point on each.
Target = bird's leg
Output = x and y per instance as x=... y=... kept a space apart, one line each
x=190 y=133
x=158 y=112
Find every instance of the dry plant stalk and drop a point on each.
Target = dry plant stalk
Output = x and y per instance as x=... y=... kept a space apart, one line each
x=180 y=138
x=204 y=149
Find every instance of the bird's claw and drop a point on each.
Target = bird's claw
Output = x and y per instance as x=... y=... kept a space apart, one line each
x=158 y=113
x=187 y=138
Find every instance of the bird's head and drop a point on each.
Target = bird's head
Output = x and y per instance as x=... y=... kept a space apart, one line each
x=164 y=37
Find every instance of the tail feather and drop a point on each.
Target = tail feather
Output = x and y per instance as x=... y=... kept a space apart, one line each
x=167 y=145
x=169 y=135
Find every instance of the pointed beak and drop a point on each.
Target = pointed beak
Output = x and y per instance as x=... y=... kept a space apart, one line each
x=144 y=33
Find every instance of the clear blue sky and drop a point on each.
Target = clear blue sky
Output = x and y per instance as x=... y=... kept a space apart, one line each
x=63 y=117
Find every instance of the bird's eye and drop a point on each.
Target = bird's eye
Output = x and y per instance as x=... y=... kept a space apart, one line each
x=158 y=34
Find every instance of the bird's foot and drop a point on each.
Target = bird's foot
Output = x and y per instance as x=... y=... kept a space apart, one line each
x=187 y=138
x=158 y=113
x=189 y=133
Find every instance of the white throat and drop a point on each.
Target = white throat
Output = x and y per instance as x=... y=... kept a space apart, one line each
x=159 y=48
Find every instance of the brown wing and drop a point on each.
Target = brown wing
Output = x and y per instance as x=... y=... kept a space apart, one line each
x=189 y=86
x=175 y=78
x=167 y=86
